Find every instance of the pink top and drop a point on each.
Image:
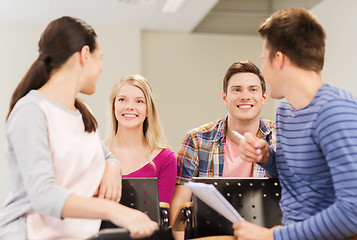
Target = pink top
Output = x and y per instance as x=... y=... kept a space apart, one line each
x=165 y=172
x=78 y=162
x=233 y=165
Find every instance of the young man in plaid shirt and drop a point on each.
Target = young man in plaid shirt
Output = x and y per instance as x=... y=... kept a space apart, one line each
x=211 y=150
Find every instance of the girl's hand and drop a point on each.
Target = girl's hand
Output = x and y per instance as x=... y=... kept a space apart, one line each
x=138 y=223
x=110 y=187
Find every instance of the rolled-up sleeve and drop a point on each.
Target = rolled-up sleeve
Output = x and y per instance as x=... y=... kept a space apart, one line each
x=187 y=160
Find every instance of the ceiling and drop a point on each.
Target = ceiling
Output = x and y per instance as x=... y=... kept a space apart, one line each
x=203 y=16
x=244 y=16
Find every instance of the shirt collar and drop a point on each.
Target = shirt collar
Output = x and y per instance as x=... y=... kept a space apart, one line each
x=221 y=130
x=264 y=129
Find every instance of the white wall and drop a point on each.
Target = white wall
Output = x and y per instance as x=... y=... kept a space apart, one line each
x=18 y=48
x=186 y=72
x=339 y=19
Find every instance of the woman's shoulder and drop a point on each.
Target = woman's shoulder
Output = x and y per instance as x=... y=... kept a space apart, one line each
x=165 y=161
x=164 y=155
x=27 y=108
x=166 y=152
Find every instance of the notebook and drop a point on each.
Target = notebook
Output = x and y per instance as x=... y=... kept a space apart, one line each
x=255 y=199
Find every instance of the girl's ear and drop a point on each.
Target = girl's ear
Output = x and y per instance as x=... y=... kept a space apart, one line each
x=84 y=54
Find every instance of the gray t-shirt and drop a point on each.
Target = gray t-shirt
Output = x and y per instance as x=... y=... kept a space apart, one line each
x=30 y=161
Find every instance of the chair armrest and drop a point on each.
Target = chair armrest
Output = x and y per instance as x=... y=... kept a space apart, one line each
x=184 y=217
x=221 y=237
x=120 y=234
x=111 y=233
x=164 y=214
x=164 y=205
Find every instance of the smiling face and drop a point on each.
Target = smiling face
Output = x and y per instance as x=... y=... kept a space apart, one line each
x=244 y=98
x=130 y=107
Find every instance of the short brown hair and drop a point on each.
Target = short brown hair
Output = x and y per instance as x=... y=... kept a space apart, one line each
x=243 y=67
x=296 y=33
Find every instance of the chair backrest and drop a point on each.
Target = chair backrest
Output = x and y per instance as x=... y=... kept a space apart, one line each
x=256 y=199
x=140 y=194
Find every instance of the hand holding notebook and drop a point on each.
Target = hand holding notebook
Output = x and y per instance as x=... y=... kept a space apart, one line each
x=210 y=195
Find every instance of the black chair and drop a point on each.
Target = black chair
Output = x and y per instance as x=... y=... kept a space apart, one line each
x=140 y=194
x=164 y=214
x=256 y=199
x=184 y=220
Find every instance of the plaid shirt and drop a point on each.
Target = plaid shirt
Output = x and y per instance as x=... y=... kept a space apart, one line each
x=202 y=151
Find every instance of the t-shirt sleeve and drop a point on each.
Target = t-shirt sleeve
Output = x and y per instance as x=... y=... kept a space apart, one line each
x=108 y=155
x=166 y=179
x=28 y=140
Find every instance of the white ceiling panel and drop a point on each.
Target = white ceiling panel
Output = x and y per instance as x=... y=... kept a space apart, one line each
x=244 y=16
x=206 y=16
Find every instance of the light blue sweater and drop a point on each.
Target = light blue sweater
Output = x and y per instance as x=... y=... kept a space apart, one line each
x=316 y=162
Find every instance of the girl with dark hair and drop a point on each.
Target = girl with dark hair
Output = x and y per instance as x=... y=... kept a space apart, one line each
x=63 y=178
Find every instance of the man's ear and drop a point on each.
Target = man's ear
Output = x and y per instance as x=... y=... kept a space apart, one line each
x=265 y=96
x=224 y=97
x=279 y=59
x=84 y=54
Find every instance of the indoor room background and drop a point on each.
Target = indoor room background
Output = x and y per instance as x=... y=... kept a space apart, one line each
x=185 y=69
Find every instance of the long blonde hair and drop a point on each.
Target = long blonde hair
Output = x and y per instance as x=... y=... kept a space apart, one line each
x=152 y=127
